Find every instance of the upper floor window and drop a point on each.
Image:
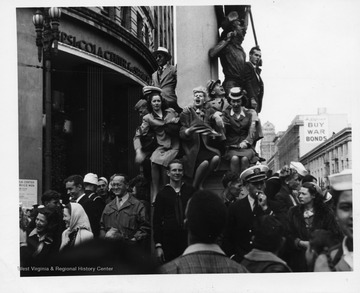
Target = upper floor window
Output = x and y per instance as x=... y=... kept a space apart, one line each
x=140 y=25
x=125 y=16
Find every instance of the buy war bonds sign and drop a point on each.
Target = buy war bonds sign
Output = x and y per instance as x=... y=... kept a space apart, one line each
x=316 y=129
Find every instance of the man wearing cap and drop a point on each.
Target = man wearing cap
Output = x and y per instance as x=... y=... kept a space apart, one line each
x=142 y=109
x=243 y=214
x=253 y=83
x=229 y=49
x=240 y=132
x=216 y=94
x=95 y=205
x=166 y=77
x=102 y=190
x=340 y=257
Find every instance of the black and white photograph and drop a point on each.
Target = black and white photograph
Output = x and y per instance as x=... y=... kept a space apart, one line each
x=180 y=146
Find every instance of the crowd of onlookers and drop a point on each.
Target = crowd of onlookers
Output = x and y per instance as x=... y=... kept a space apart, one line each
x=165 y=220
x=282 y=223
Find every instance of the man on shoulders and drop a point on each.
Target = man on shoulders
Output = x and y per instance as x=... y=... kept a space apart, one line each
x=170 y=236
x=205 y=220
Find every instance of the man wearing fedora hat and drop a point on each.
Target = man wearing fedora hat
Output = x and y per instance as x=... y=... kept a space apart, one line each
x=243 y=214
x=229 y=50
x=165 y=77
x=217 y=95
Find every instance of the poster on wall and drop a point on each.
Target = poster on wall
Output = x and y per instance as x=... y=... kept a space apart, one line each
x=316 y=129
x=28 y=192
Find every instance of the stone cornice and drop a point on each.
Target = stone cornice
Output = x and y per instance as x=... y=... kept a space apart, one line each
x=107 y=26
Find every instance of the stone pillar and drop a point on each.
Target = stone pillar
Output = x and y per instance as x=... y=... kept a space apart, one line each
x=196 y=33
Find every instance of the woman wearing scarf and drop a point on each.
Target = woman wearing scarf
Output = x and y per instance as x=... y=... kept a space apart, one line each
x=78 y=227
x=311 y=214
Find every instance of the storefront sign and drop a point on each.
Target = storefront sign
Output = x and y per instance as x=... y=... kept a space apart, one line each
x=28 y=192
x=108 y=55
x=316 y=129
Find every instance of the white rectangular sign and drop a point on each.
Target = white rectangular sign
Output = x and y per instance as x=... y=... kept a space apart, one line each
x=28 y=192
x=316 y=129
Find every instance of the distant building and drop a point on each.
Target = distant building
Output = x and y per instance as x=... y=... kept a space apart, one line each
x=267 y=145
x=332 y=156
x=304 y=134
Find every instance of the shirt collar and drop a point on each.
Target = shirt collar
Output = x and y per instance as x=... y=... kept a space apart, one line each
x=348 y=255
x=123 y=199
x=251 y=202
x=203 y=247
x=80 y=197
x=242 y=113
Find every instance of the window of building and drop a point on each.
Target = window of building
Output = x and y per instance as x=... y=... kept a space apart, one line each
x=108 y=11
x=147 y=39
x=125 y=17
x=139 y=24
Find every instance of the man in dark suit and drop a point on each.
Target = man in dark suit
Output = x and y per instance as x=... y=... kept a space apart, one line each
x=253 y=83
x=205 y=220
x=166 y=77
x=96 y=202
x=243 y=214
x=74 y=185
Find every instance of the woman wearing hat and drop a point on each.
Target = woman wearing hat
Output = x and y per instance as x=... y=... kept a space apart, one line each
x=239 y=129
x=198 y=122
x=164 y=122
x=309 y=215
x=340 y=257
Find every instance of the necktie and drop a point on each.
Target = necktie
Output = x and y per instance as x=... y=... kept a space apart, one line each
x=255 y=206
x=179 y=210
x=160 y=70
x=118 y=203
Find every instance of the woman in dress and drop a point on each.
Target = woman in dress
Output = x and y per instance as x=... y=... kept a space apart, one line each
x=77 y=224
x=311 y=214
x=198 y=122
x=240 y=132
x=164 y=122
x=340 y=257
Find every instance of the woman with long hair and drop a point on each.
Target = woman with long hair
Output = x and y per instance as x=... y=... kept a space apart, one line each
x=311 y=214
x=164 y=122
x=78 y=227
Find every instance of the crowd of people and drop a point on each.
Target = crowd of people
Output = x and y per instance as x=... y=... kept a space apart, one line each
x=189 y=230
x=165 y=220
